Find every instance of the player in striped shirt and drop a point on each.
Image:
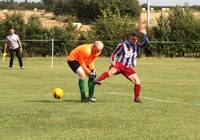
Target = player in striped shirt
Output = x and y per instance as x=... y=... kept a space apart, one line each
x=123 y=60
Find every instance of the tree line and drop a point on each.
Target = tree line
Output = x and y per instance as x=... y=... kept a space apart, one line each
x=21 y=5
x=31 y=32
x=89 y=10
x=175 y=35
x=159 y=8
x=180 y=31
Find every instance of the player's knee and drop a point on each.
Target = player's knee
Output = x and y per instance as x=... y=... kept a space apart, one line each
x=137 y=81
x=112 y=71
x=109 y=73
x=82 y=77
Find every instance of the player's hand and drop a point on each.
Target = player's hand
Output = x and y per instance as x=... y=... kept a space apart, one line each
x=142 y=26
x=21 y=49
x=93 y=74
x=113 y=63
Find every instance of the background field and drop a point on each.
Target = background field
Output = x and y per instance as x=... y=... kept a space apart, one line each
x=170 y=108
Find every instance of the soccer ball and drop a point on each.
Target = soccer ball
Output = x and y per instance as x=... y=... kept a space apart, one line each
x=58 y=93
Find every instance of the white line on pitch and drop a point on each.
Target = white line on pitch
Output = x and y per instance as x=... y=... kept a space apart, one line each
x=157 y=100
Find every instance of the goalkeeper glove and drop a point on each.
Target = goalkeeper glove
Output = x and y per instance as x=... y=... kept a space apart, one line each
x=92 y=75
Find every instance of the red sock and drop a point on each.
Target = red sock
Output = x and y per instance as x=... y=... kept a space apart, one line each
x=103 y=76
x=137 y=91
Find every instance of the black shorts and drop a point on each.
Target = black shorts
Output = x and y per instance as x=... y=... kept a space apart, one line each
x=74 y=65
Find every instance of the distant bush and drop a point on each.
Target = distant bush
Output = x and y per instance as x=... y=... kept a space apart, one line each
x=15 y=21
x=181 y=27
x=32 y=5
x=65 y=39
x=196 y=7
x=180 y=30
x=21 y=5
x=33 y=31
x=89 y=10
x=111 y=29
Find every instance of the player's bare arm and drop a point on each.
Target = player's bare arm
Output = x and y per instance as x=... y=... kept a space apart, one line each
x=142 y=26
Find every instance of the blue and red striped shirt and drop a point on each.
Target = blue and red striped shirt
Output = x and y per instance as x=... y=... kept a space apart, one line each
x=126 y=53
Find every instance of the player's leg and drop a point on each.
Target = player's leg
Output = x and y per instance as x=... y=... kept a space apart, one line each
x=75 y=66
x=82 y=77
x=105 y=75
x=91 y=90
x=18 y=54
x=11 y=58
x=135 y=79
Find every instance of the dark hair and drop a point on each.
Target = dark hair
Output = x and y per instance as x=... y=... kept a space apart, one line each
x=131 y=34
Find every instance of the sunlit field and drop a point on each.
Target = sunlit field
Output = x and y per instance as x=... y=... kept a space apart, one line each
x=170 y=108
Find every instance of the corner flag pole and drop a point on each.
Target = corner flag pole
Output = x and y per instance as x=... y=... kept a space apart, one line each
x=148 y=13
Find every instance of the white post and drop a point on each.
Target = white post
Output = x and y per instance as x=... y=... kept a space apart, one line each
x=52 y=51
x=148 y=13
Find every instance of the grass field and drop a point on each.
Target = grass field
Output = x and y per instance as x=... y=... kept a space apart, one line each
x=170 y=108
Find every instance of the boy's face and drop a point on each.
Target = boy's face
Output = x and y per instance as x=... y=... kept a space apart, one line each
x=133 y=40
x=11 y=31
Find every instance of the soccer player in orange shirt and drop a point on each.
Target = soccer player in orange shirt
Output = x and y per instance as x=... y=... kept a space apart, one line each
x=81 y=61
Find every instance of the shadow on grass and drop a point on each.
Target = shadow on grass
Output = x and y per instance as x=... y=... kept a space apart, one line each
x=54 y=101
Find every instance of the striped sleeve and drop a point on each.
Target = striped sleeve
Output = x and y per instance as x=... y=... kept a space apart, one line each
x=116 y=51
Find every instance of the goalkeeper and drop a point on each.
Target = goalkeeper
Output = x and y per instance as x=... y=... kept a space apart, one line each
x=81 y=61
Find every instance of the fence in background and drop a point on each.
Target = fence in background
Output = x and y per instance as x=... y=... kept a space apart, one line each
x=155 y=48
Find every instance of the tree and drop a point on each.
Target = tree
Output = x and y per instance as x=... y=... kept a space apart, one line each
x=89 y=10
x=181 y=27
x=15 y=21
x=111 y=28
x=49 y=4
x=34 y=30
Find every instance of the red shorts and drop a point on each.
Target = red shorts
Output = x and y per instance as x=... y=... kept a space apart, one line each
x=123 y=70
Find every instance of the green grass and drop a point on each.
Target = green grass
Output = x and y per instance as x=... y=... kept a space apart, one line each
x=170 y=108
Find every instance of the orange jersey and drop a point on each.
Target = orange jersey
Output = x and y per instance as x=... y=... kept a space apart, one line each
x=83 y=54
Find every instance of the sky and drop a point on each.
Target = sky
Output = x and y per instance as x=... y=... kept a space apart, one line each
x=171 y=2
